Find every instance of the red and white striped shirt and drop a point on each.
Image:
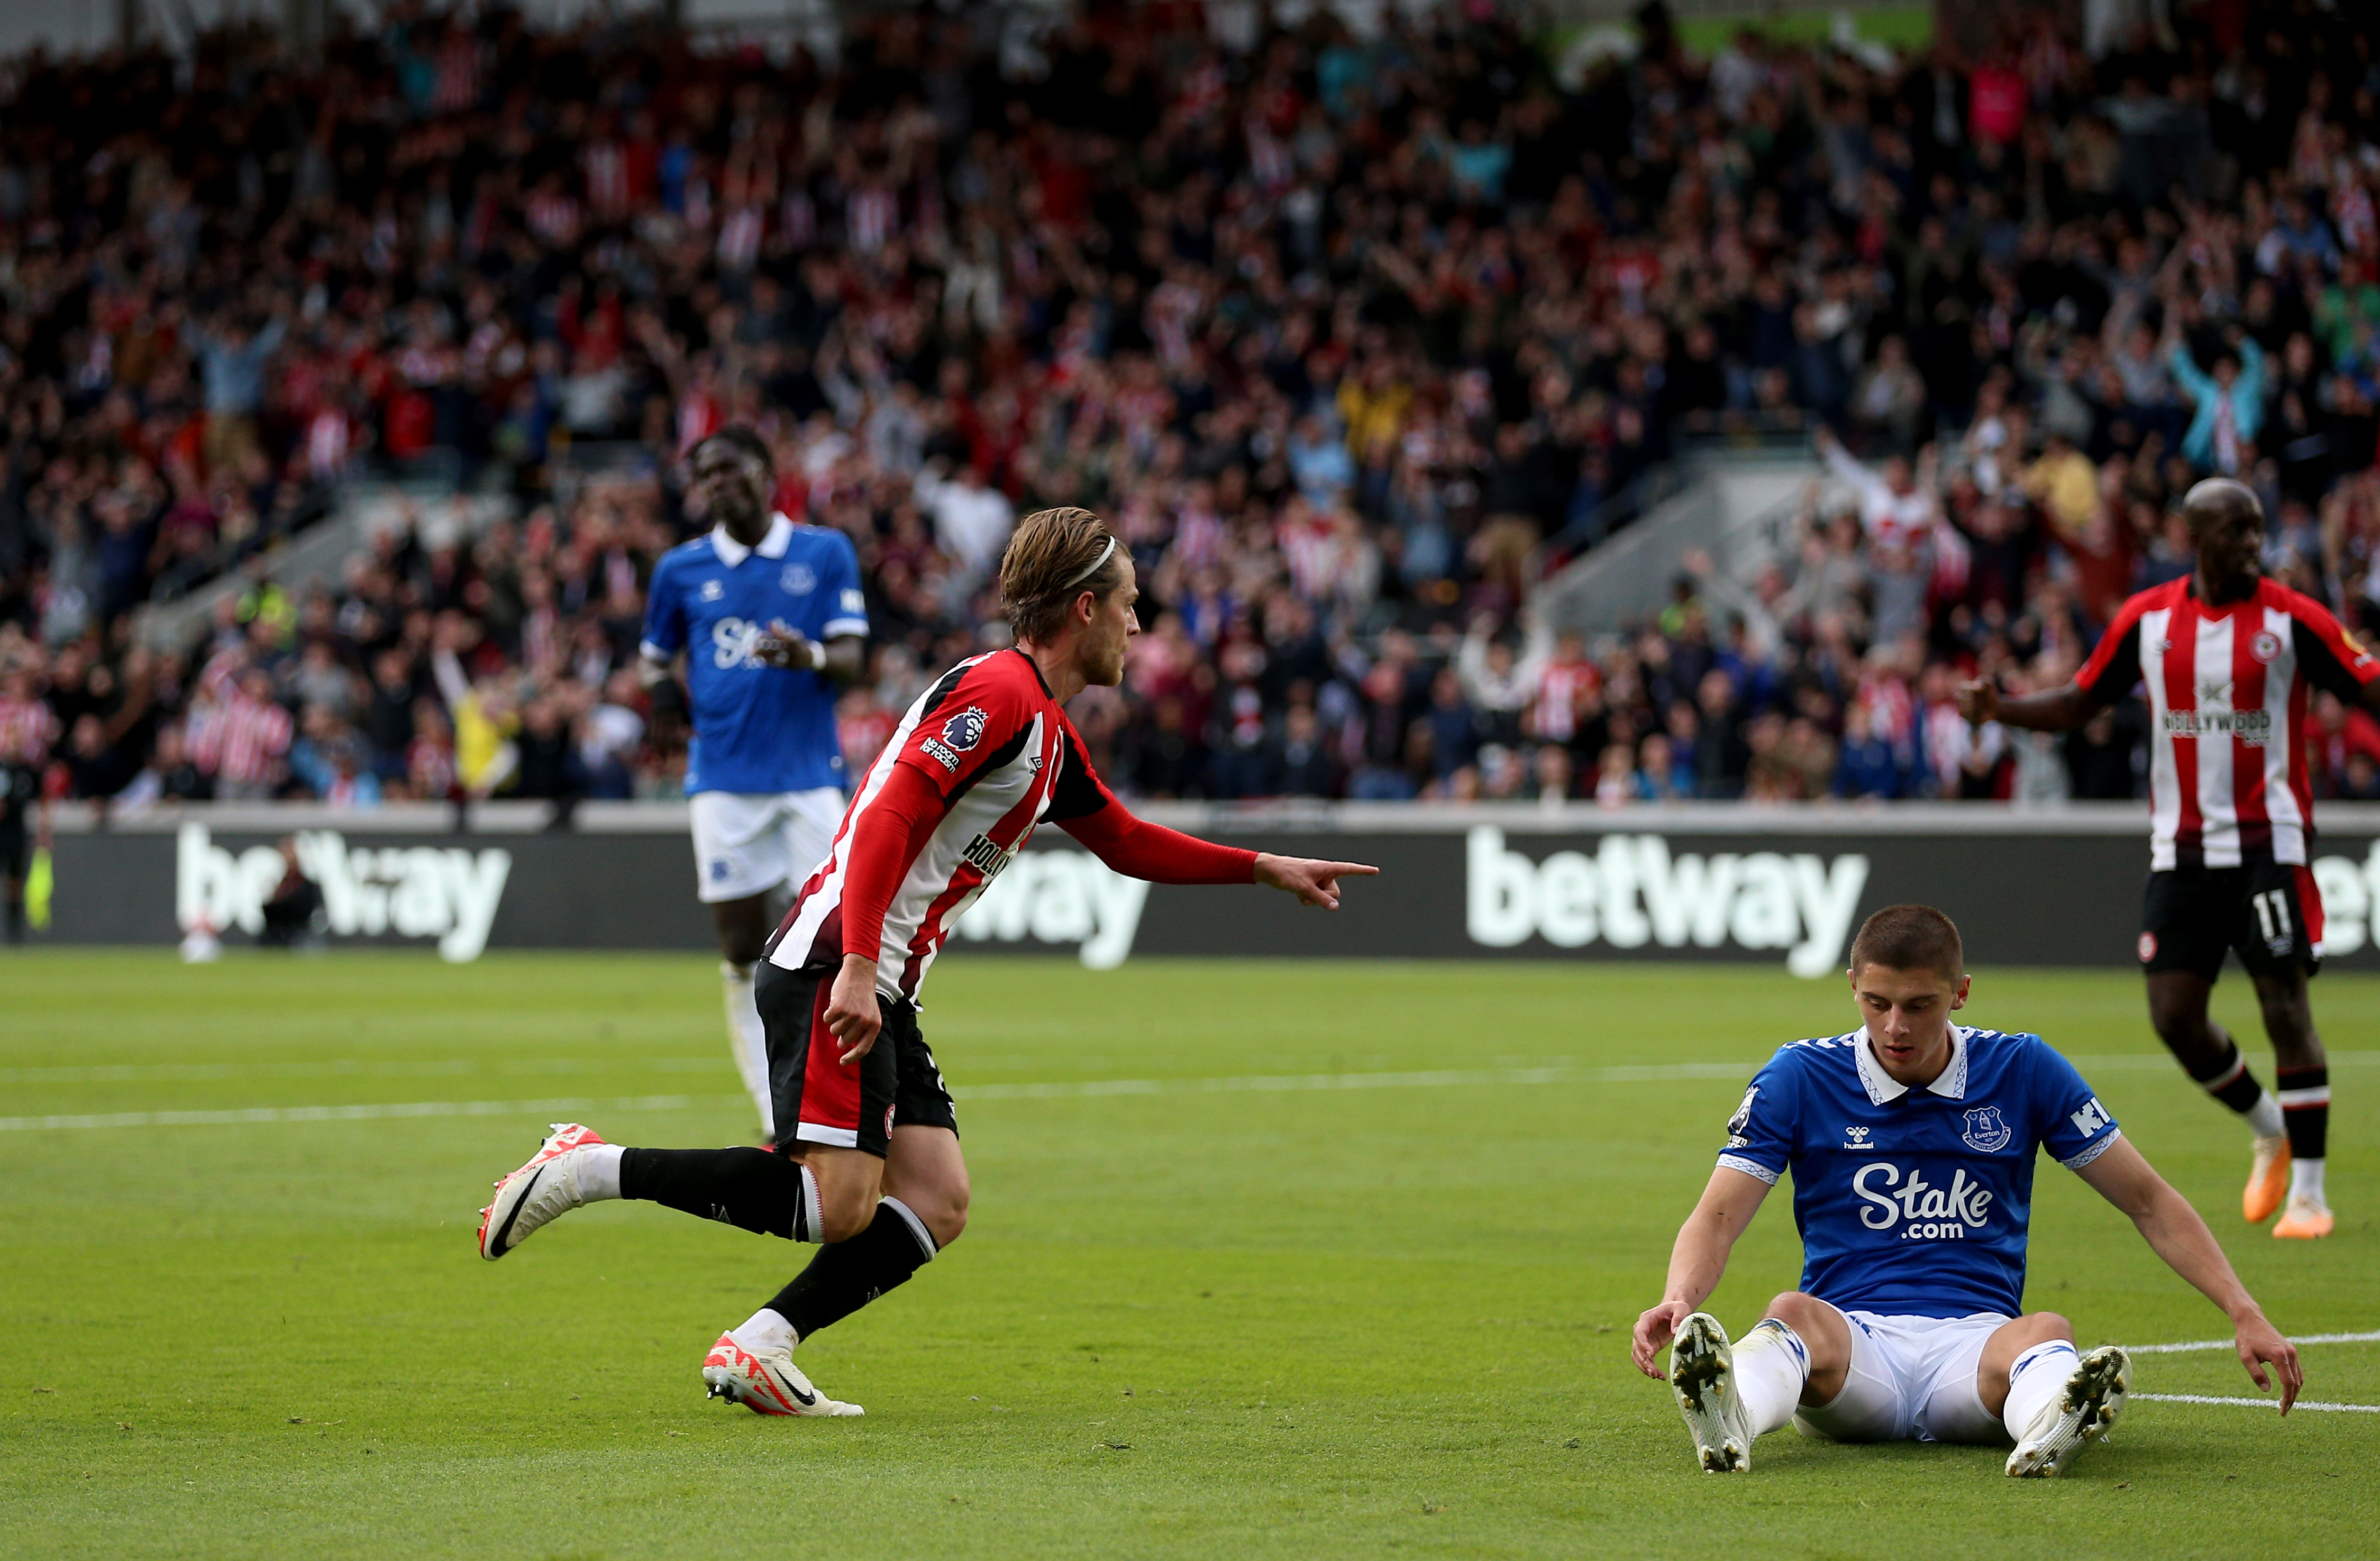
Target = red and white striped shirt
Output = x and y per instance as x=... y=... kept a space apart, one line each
x=2226 y=693
x=28 y=727
x=981 y=759
x=251 y=734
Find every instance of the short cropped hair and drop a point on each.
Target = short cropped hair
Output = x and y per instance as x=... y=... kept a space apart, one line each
x=746 y=442
x=1910 y=937
x=1054 y=556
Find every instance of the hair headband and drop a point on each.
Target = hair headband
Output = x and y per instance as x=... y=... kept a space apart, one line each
x=1095 y=564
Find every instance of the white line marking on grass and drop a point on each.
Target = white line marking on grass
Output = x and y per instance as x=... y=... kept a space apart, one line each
x=1080 y=1089
x=2197 y=1345
x=401 y=1067
x=1070 y=1089
x=1444 y=1078
x=365 y=1113
x=2255 y=1403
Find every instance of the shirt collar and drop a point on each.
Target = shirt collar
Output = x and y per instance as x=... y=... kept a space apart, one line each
x=733 y=552
x=1951 y=1084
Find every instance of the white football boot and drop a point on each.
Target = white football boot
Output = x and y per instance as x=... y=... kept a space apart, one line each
x=540 y=1190
x=2081 y=1413
x=765 y=1381
x=1702 y=1373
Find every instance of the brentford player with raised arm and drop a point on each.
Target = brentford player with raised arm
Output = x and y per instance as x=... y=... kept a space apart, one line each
x=2228 y=658
x=866 y=1159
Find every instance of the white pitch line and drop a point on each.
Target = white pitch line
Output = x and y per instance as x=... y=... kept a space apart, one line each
x=2256 y=1403
x=2197 y=1345
x=1075 y=1089
x=365 y=1113
x=1083 y=1089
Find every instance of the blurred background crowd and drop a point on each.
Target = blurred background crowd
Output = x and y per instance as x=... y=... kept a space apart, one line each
x=1354 y=339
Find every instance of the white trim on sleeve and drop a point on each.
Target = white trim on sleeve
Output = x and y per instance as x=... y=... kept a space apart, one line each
x=2092 y=1151
x=651 y=651
x=839 y=1138
x=1749 y=1167
x=844 y=626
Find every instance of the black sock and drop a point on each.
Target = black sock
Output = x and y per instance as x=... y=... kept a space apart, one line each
x=848 y=1274
x=2230 y=1080
x=15 y=919
x=749 y=1188
x=2304 y=1094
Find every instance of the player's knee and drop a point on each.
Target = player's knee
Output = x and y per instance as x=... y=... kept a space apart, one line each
x=2043 y=1326
x=944 y=1209
x=1794 y=1309
x=841 y=1218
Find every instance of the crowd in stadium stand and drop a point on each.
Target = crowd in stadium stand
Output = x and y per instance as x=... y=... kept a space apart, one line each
x=1347 y=336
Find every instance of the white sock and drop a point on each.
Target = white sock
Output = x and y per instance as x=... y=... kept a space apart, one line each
x=1772 y=1366
x=2264 y=1117
x=764 y=1330
x=748 y=1038
x=2305 y=1181
x=599 y=1172
x=2035 y=1378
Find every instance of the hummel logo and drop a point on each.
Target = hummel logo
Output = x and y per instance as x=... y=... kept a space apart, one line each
x=1856 y=1138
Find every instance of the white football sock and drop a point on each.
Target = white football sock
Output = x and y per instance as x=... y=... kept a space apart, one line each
x=2264 y=1117
x=2035 y=1378
x=599 y=1171
x=764 y=1329
x=2305 y=1181
x=1772 y=1366
x=748 y=1038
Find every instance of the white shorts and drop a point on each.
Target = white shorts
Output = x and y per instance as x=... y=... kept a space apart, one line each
x=1911 y=1379
x=746 y=844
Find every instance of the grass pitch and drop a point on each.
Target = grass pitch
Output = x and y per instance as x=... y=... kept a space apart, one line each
x=1209 y=1304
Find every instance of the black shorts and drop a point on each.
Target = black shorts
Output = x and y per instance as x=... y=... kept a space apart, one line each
x=817 y=1098
x=2269 y=911
x=14 y=857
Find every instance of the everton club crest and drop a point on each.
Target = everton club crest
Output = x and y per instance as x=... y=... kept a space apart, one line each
x=1985 y=1133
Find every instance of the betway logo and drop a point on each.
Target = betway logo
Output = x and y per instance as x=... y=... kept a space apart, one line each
x=1060 y=897
x=413 y=891
x=1632 y=892
x=1963 y=1203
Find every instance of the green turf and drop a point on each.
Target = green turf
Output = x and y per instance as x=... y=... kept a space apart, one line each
x=1193 y=1321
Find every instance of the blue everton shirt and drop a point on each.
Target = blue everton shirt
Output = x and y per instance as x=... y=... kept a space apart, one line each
x=1914 y=1203
x=756 y=729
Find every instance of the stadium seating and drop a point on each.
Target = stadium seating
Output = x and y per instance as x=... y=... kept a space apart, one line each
x=1349 y=337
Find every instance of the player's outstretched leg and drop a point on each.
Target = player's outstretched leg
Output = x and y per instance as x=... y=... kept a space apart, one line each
x=2053 y=1412
x=751 y=1189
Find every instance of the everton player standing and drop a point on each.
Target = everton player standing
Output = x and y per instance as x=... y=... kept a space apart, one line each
x=2228 y=657
x=867 y=1158
x=1911 y=1142
x=770 y=619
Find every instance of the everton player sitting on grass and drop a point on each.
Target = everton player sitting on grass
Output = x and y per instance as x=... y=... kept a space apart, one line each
x=2227 y=656
x=866 y=1159
x=770 y=617
x=1911 y=1141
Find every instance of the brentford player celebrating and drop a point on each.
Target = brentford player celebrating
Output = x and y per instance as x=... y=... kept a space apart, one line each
x=866 y=1159
x=2228 y=658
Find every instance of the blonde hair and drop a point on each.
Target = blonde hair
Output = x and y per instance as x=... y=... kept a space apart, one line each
x=1053 y=557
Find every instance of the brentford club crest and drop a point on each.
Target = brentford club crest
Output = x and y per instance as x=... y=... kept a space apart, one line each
x=2148 y=947
x=965 y=730
x=2264 y=646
